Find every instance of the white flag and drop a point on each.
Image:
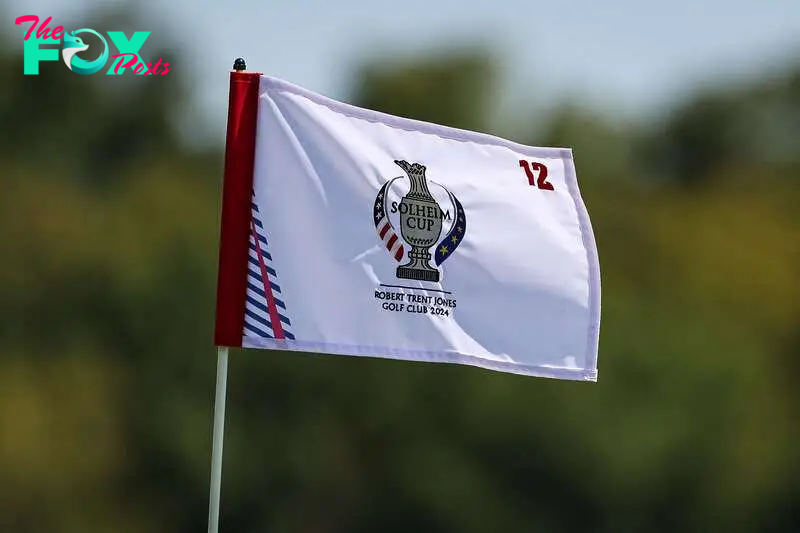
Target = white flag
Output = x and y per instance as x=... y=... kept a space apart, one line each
x=374 y=235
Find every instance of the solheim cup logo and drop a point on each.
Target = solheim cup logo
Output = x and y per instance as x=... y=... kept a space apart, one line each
x=425 y=212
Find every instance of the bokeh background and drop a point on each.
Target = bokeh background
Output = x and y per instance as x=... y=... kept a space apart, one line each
x=685 y=122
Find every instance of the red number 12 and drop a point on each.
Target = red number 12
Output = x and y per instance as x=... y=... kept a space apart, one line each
x=537 y=175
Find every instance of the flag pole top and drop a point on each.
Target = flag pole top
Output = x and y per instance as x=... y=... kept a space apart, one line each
x=239 y=65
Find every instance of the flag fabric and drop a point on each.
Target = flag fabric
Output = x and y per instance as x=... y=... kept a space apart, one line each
x=354 y=232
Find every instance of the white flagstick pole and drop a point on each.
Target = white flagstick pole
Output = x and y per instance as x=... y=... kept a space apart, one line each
x=219 y=431
x=233 y=249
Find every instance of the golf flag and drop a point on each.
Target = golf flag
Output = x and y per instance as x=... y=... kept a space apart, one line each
x=353 y=232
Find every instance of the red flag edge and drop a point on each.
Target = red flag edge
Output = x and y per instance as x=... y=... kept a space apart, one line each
x=237 y=191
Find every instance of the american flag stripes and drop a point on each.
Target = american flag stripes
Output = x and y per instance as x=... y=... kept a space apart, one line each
x=384 y=227
x=265 y=310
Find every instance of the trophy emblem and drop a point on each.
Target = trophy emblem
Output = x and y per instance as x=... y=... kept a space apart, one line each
x=420 y=223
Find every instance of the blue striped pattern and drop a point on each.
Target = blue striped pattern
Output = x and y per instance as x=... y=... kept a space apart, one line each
x=257 y=322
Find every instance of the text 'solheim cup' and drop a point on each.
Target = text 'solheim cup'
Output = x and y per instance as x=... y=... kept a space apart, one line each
x=420 y=225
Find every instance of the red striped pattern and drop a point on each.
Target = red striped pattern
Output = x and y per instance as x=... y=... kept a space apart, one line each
x=274 y=318
x=389 y=237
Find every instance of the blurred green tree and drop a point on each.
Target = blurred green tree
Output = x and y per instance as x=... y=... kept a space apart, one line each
x=451 y=88
x=724 y=128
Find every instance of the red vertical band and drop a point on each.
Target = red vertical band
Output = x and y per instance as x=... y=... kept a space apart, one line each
x=237 y=192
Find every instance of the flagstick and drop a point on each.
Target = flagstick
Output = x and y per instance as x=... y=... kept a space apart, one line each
x=235 y=220
x=219 y=430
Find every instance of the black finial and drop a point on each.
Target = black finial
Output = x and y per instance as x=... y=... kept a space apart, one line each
x=239 y=64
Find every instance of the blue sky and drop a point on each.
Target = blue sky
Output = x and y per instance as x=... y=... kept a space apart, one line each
x=628 y=55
